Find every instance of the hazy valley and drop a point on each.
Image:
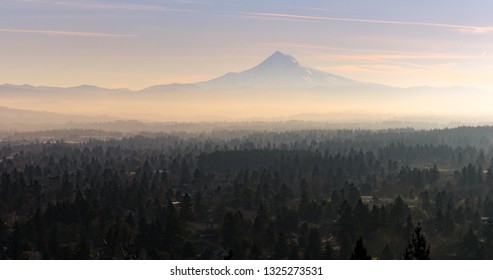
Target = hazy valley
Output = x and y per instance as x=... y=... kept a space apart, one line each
x=277 y=90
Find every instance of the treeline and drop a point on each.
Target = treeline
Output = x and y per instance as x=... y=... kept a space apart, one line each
x=293 y=195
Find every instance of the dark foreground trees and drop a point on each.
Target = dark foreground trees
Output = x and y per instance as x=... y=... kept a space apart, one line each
x=258 y=196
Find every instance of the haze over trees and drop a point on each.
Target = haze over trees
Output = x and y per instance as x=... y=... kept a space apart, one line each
x=313 y=194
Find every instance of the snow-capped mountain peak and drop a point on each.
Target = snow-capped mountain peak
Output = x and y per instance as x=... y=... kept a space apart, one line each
x=279 y=70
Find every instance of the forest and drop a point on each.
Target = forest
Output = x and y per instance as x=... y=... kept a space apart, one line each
x=241 y=194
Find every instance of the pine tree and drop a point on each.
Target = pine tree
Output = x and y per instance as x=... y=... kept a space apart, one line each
x=186 y=212
x=328 y=252
x=417 y=249
x=470 y=246
x=360 y=252
x=314 y=246
x=281 y=249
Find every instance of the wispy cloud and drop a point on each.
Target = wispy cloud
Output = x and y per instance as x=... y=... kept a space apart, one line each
x=400 y=57
x=110 y=6
x=64 y=33
x=339 y=54
x=460 y=28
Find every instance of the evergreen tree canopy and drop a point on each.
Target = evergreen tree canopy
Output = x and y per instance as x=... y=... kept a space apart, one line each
x=417 y=248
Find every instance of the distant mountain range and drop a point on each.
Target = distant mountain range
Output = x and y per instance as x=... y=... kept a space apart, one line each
x=275 y=72
x=278 y=71
x=40 y=117
x=276 y=88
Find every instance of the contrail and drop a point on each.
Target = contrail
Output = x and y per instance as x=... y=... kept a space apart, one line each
x=462 y=28
x=64 y=33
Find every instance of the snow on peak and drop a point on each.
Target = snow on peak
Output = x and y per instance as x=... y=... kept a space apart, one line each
x=279 y=70
x=278 y=59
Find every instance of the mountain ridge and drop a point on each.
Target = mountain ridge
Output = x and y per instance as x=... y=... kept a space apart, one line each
x=279 y=70
x=15 y=115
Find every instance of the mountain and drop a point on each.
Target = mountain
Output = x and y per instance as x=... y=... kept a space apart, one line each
x=82 y=89
x=279 y=71
x=95 y=89
x=171 y=88
x=279 y=86
x=10 y=115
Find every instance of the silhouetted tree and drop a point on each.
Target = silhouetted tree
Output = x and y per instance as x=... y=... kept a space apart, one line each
x=470 y=246
x=186 y=212
x=360 y=252
x=314 y=247
x=417 y=248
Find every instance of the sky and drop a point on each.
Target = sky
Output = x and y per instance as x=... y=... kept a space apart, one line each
x=136 y=44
